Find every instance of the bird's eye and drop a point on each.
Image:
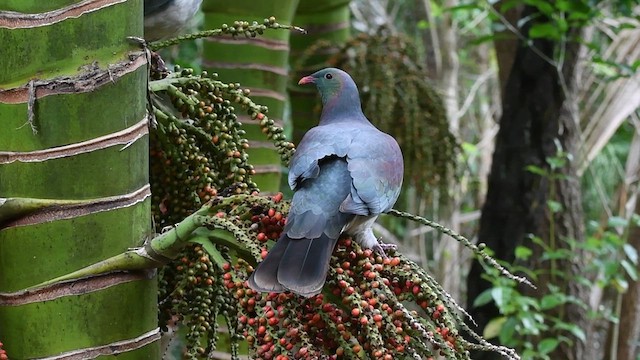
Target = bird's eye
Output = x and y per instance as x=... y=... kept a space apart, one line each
x=328 y=76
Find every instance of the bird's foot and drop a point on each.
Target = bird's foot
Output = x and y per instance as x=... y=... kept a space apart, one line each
x=382 y=248
x=159 y=69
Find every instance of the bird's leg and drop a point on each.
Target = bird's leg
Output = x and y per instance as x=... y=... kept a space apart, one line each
x=360 y=228
x=368 y=240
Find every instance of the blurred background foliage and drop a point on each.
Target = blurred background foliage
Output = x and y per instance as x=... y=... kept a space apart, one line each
x=435 y=74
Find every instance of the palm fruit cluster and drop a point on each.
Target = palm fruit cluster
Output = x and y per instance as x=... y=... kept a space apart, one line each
x=371 y=308
x=196 y=298
x=200 y=149
x=398 y=99
x=198 y=153
x=3 y=353
x=194 y=288
x=198 y=146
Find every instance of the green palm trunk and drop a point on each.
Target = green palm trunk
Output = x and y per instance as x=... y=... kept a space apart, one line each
x=260 y=64
x=324 y=21
x=73 y=180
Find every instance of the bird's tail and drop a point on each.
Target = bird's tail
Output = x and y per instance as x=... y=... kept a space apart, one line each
x=297 y=265
x=265 y=277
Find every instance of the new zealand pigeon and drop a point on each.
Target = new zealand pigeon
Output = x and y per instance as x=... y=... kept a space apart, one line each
x=345 y=172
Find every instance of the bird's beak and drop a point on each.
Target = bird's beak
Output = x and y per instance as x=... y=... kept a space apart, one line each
x=307 y=80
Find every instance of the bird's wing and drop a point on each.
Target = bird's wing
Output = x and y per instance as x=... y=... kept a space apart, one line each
x=376 y=167
x=374 y=161
x=317 y=143
x=314 y=207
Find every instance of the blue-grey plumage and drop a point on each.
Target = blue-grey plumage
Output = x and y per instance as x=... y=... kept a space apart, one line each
x=167 y=18
x=345 y=172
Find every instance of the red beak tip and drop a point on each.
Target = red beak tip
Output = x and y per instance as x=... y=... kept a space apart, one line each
x=305 y=80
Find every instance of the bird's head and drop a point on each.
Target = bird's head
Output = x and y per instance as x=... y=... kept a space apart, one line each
x=337 y=89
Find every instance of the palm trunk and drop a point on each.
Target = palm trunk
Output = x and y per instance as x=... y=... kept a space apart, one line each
x=323 y=20
x=73 y=180
x=259 y=64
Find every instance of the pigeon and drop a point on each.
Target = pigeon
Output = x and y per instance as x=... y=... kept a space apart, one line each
x=166 y=18
x=344 y=173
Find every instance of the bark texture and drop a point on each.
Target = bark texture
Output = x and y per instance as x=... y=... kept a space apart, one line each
x=628 y=346
x=538 y=115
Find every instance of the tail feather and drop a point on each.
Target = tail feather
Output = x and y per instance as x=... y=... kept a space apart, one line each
x=265 y=277
x=307 y=263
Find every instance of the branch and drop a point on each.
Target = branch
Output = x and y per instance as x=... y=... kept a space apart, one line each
x=477 y=250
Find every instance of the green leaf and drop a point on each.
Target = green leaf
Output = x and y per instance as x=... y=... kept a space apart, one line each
x=573 y=329
x=544 y=30
x=547 y=345
x=562 y=25
x=469 y=148
x=611 y=268
x=436 y=9
x=523 y=252
x=507 y=332
x=631 y=270
x=531 y=325
x=543 y=6
x=631 y=253
x=617 y=221
x=554 y=206
x=603 y=69
x=563 y=5
x=494 y=327
x=508 y=4
x=536 y=170
x=423 y=24
x=573 y=16
x=538 y=241
x=558 y=254
x=550 y=301
x=556 y=162
x=621 y=285
x=573 y=6
x=501 y=295
x=483 y=299
x=482 y=39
